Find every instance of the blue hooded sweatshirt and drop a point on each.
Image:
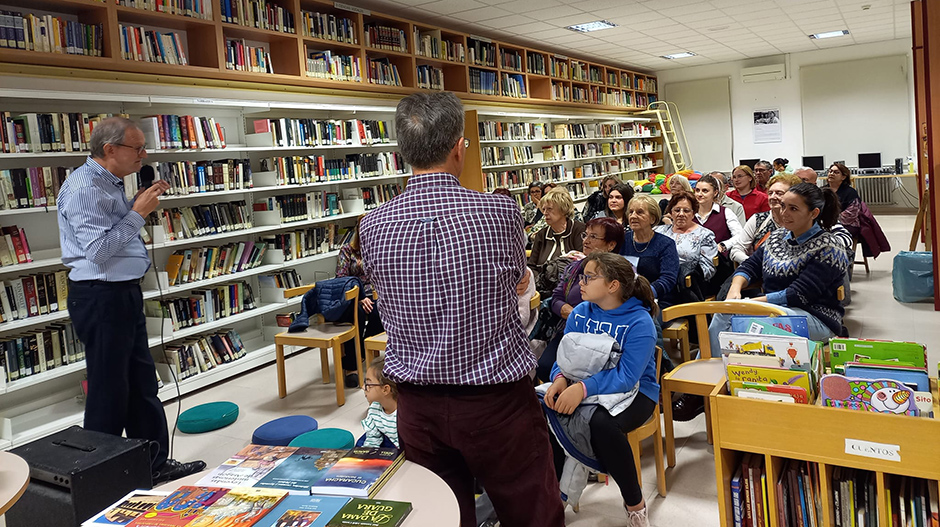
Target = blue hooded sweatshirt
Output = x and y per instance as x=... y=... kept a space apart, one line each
x=633 y=328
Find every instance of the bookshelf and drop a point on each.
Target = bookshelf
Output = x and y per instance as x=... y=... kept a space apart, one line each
x=815 y=434
x=402 y=54
x=38 y=404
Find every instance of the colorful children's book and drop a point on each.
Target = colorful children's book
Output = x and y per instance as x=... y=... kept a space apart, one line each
x=914 y=378
x=880 y=395
x=795 y=325
x=764 y=396
x=241 y=507
x=127 y=508
x=306 y=511
x=371 y=513
x=855 y=350
x=765 y=375
x=790 y=350
x=249 y=466
x=302 y=470
x=361 y=473
x=179 y=507
x=797 y=393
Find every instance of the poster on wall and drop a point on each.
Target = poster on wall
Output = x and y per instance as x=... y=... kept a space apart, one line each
x=767 y=127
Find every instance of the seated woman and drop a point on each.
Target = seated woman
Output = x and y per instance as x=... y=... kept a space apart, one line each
x=349 y=263
x=600 y=235
x=781 y=166
x=801 y=265
x=711 y=215
x=760 y=225
x=531 y=212
x=677 y=183
x=560 y=236
x=655 y=254
x=617 y=199
x=856 y=217
x=597 y=201
x=745 y=191
x=695 y=244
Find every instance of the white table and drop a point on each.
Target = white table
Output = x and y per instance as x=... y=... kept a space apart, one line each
x=14 y=476
x=433 y=503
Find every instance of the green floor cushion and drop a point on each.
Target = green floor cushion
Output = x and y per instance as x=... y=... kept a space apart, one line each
x=325 y=438
x=207 y=417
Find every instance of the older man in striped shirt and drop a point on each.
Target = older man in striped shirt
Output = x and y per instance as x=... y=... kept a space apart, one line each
x=99 y=231
x=446 y=261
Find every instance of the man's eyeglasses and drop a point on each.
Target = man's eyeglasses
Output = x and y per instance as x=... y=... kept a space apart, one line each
x=140 y=149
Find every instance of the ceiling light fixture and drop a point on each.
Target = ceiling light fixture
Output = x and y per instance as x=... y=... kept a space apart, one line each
x=592 y=26
x=684 y=54
x=829 y=34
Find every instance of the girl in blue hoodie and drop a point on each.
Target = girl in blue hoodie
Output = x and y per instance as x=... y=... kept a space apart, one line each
x=620 y=303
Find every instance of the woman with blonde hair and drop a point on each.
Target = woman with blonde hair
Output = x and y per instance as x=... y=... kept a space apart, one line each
x=561 y=234
x=745 y=191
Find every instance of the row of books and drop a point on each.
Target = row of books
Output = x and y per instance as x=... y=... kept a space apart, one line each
x=170 y=132
x=328 y=27
x=912 y=501
x=275 y=486
x=854 y=498
x=48 y=132
x=203 y=306
x=199 y=355
x=432 y=45
x=509 y=131
x=239 y=56
x=196 y=177
x=579 y=70
x=513 y=85
x=146 y=45
x=612 y=78
x=481 y=52
x=14 y=247
x=536 y=63
x=599 y=95
x=192 y=265
x=34 y=295
x=299 y=170
x=643 y=99
x=385 y=37
x=594 y=75
x=430 y=77
x=297 y=207
x=505 y=155
x=313 y=132
x=183 y=223
x=382 y=71
x=302 y=243
x=191 y=8
x=259 y=14
x=644 y=84
x=374 y=196
x=38 y=351
x=561 y=91
x=583 y=150
x=797 y=493
x=558 y=67
x=483 y=82
x=333 y=66
x=24 y=188
x=49 y=34
x=511 y=60
x=524 y=176
x=283 y=280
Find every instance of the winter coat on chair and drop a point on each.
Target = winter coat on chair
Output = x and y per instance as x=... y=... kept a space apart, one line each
x=328 y=298
x=861 y=223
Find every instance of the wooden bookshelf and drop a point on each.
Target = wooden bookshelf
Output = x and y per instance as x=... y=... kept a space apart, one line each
x=206 y=52
x=817 y=434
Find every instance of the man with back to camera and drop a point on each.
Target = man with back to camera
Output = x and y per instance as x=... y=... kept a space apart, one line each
x=99 y=232
x=445 y=261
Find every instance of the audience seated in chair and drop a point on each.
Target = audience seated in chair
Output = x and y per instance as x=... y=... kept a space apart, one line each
x=561 y=235
x=617 y=199
x=695 y=246
x=745 y=191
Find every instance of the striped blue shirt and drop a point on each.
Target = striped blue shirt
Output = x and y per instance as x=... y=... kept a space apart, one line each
x=98 y=231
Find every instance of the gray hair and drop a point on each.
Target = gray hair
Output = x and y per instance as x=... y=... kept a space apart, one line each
x=428 y=127
x=109 y=131
x=767 y=164
x=721 y=178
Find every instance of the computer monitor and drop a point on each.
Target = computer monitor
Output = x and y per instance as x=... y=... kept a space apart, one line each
x=814 y=162
x=748 y=162
x=869 y=160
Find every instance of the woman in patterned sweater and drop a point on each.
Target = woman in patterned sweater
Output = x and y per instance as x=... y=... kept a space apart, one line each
x=802 y=265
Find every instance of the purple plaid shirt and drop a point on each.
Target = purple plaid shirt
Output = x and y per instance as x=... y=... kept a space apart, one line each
x=445 y=261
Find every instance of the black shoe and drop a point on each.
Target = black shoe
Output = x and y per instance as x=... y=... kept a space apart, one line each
x=686 y=407
x=173 y=469
x=352 y=380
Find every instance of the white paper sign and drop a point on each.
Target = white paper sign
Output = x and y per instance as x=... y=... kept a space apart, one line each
x=859 y=447
x=767 y=126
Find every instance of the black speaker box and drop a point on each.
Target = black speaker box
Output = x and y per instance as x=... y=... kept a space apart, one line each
x=76 y=473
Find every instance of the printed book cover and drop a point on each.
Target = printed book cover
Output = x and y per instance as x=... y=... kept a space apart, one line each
x=795 y=325
x=857 y=350
x=880 y=395
x=249 y=466
x=765 y=375
x=240 y=507
x=128 y=508
x=304 y=511
x=302 y=470
x=371 y=513
x=180 y=507
x=792 y=351
x=359 y=473
x=797 y=393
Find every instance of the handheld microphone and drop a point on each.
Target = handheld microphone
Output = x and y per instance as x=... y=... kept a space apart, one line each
x=147 y=175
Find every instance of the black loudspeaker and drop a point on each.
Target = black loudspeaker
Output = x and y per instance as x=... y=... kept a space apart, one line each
x=899 y=165
x=76 y=473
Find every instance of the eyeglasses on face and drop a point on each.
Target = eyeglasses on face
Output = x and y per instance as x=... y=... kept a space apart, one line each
x=367 y=385
x=586 y=236
x=587 y=278
x=140 y=149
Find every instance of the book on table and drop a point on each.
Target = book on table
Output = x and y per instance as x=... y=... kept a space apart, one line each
x=360 y=512
x=249 y=466
x=128 y=508
x=306 y=511
x=302 y=470
x=361 y=473
x=179 y=507
x=239 y=507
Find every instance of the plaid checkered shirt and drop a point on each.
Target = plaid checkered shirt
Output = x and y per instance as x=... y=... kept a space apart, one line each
x=445 y=261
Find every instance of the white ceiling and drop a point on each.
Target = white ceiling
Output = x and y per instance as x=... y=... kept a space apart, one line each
x=715 y=30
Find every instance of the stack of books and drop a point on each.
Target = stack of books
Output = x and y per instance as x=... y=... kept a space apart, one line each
x=328 y=27
x=169 y=132
x=240 y=56
x=40 y=350
x=202 y=306
x=193 y=357
x=48 y=132
x=183 y=223
x=195 y=177
x=192 y=265
x=50 y=34
x=333 y=66
x=34 y=295
x=146 y=45
x=300 y=170
x=24 y=188
x=259 y=14
x=191 y=8
x=331 y=132
x=384 y=37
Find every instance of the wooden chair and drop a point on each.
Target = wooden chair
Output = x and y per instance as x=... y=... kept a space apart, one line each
x=678 y=330
x=699 y=377
x=864 y=261
x=321 y=335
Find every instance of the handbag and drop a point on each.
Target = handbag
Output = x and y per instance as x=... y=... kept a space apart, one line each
x=547 y=324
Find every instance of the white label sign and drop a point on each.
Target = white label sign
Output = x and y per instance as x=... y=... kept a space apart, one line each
x=858 y=447
x=354 y=9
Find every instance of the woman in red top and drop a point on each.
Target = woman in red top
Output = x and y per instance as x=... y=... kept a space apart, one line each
x=745 y=191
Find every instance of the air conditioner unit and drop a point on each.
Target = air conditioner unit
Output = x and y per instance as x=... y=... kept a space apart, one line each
x=771 y=72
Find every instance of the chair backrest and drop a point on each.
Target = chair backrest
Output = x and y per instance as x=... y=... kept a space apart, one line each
x=536 y=300
x=701 y=310
x=297 y=291
x=659 y=361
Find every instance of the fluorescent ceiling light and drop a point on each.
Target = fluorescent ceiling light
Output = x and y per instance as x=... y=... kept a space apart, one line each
x=683 y=55
x=830 y=34
x=592 y=26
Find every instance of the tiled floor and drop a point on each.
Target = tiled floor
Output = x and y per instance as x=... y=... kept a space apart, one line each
x=691 y=484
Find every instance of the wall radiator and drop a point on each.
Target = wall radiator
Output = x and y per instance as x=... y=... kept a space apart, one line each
x=875 y=190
